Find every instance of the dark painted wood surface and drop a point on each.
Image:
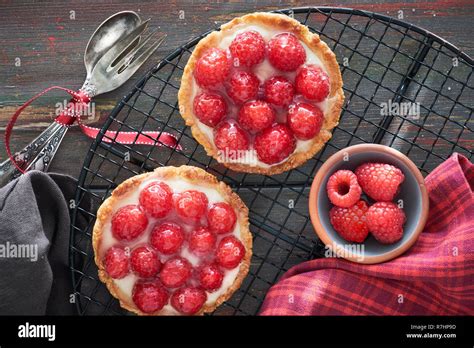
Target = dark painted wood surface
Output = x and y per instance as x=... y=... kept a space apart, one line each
x=49 y=44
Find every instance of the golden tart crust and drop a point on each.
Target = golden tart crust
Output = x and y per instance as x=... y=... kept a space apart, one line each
x=192 y=175
x=282 y=23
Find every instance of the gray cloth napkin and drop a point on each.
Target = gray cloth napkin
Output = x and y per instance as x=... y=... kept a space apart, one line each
x=34 y=245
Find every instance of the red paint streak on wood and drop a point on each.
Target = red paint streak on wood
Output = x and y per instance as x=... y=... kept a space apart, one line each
x=422 y=140
x=466 y=143
x=51 y=43
x=427 y=8
x=58 y=23
x=4 y=57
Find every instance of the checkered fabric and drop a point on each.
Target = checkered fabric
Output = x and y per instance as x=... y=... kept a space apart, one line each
x=434 y=277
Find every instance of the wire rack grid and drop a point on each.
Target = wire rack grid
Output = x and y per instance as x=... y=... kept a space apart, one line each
x=382 y=60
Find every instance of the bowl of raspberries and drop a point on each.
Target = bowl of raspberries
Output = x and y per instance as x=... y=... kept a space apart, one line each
x=368 y=203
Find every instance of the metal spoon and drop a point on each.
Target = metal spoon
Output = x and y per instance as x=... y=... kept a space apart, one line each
x=110 y=60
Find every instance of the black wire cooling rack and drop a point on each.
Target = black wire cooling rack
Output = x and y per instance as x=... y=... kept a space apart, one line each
x=382 y=60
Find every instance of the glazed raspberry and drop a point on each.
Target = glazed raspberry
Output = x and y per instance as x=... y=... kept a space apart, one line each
x=188 y=300
x=274 y=144
x=191 y=204
x=343 y=189
x=129 y=222
x=145 y=262
x=230 y=252
x=175 y=272
x=210 y=277
x=248 y=48
x=167 y=238
x=350 y=223
x=385 y=221
x=117 y=262
x=212 y=68
x=285 y=52
x=242 y=86
x=231 y=140
x=279 y=91
x=379 y=180
x=221 y=218
x=149 y=297
x=312 y=83
x=156 y=199
x=255 y=116
x=210 y=108
x=305 y=120
x=202 y=241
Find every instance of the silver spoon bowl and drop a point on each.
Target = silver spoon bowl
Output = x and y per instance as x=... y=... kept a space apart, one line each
x=112 y=30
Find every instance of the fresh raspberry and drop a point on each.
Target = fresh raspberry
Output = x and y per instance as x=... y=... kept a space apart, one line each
x=191 y=204
x=145 y=261
x=117 y=262
x=231 y=140
x=202 y=241
x=167 y=238
x=285 y=52
x=210 y=108
x=385 y=221
x=343 y=189
x=149 y=297
x=379 y=180
x=248 y=48
x=221 y=218
x=312 y=83
x=242 y=86
x=305 y=120
x=212 y=68
x=230 y=252
x=274 y=144
x=210 y=277
x=175 y=272
x=129 y=222
x=255 y=116
x=188 y=300
x=279 y=91
x=156 y=199
x=351 y=223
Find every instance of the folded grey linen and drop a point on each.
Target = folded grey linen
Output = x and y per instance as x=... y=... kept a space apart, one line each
x=34 y=245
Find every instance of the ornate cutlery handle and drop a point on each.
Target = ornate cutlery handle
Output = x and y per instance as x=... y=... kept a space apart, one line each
x=36 y=155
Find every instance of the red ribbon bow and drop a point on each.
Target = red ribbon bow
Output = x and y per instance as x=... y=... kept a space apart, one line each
x=69 y=116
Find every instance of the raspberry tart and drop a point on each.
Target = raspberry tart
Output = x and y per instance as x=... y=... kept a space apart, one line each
x=175 y=241
x=263 y=94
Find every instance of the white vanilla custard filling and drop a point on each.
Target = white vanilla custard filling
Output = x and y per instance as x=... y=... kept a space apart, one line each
x=263 y=71
x=177 y=185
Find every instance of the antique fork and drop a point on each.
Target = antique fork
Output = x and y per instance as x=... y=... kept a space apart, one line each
x=106 y=71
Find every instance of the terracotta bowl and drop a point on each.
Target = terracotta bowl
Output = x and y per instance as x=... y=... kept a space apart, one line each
x=412 y=193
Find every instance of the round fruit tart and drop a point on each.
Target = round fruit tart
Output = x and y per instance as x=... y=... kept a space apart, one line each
x=263 y=94
x=175 y=241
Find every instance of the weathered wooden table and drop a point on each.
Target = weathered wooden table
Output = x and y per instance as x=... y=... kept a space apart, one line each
x=43 y=46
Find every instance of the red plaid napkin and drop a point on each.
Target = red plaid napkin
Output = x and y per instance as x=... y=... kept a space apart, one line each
x=435 y=277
